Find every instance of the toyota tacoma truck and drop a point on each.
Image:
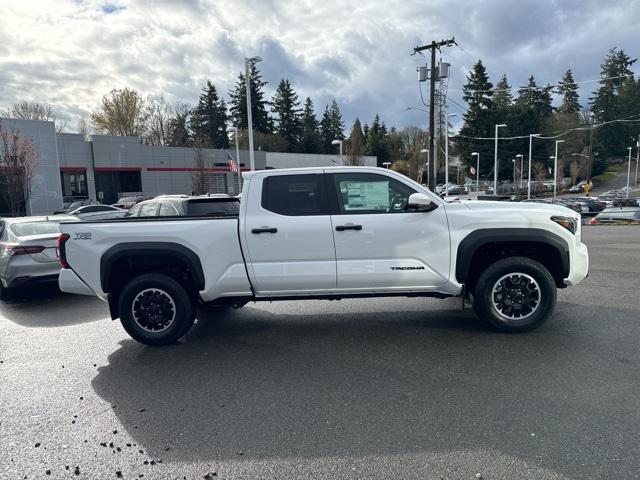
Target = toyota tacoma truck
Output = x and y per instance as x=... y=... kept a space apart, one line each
x=327 y=233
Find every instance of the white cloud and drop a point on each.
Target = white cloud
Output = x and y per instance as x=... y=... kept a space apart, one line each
x=70 y=53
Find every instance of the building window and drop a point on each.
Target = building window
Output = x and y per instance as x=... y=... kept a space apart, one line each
x=74 y=184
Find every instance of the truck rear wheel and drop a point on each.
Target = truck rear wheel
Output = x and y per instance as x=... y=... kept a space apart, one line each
x=515 y=294
x=155 y=309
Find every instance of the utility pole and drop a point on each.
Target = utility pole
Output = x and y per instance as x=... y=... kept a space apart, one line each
x=433 y=46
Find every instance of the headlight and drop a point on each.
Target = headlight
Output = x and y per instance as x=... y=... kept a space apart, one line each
x=569 y=223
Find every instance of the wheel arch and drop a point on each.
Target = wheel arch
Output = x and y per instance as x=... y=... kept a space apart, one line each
x=482 y=247
x=150 y=255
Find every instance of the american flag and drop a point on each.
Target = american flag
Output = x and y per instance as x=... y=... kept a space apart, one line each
x=231 y=163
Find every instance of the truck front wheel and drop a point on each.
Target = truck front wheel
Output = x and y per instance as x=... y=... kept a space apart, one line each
x=155 y=309
x=515 y=294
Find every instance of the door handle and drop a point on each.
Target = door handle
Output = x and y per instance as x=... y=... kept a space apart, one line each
x=341 y=228
x=264 y=230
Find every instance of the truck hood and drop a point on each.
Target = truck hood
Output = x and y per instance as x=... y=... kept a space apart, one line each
x=531 y=207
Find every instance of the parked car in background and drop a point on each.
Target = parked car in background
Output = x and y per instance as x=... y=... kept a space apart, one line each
x=591 y=203
x=621 y=215
x=569 y=203
x=184 y=205
x=98 y=212
x=28 y=252
x=74 y=205
x=579 y=187
x=128 y=202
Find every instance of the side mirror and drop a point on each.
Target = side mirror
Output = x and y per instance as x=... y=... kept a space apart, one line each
x=419 y=202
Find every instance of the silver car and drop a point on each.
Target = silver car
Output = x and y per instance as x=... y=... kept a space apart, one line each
x=98 y=212
x=28 y=251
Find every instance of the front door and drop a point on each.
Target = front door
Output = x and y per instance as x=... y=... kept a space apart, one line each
x=288 y=235
x=380 y=246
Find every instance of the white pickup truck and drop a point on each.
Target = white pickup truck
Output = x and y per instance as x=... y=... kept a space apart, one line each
x=327 y=233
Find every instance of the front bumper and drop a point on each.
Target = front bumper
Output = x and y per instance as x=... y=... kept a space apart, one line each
x=579 y=265
x=71 y=283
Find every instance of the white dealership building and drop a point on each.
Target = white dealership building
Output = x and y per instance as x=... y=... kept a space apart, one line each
x=106 y=167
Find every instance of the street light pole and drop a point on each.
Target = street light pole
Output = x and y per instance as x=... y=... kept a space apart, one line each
x=339 y=142
x=531 y=135
x=521 y=164
x=495 y=160
x=235 y=134
x=446 y=152
x=555 y=169
x=248 y=62
x=637 y=159
x=426 y=150
x=552 y=157
x=477 y=154
x=628 y=171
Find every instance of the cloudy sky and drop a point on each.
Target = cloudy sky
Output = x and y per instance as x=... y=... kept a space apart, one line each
x=70 y=52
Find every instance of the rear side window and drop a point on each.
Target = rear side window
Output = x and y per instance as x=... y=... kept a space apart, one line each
x=294 y=195
x=25 y=229
x=168 y=210
x=213 y=207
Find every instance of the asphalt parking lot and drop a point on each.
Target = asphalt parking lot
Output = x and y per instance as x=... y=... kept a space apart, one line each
x=384 y=388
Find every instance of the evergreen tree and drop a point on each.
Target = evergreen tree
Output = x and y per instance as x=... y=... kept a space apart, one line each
x=480 y=118
x=356 y=144
x=377 y=141
x=287 y=122
x=238 y=102
x=310 y=141
x=502 y=97
x=331 y=127
x=611 y=140
x=568 y=88
x=209 y=120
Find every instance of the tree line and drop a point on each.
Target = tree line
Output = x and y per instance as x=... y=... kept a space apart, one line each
x=530 y=111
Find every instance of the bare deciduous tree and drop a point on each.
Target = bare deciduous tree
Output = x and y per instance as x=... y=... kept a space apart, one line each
x=575 y=171
x=199 y=178
x=122 y=112
x=158 y=113
x=83 y=127
x=26 y=110
x=18 y=159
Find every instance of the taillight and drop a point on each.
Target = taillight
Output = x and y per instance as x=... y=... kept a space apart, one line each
x=10 y=249
x=594 y=221
x=62 y=239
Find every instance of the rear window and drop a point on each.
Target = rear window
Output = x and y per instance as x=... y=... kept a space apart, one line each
x=25 y=229
x=629 y=214
x=213 y=207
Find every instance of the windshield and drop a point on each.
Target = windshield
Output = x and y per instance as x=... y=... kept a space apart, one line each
x=26 y=229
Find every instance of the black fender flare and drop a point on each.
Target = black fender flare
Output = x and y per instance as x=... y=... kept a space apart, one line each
x=478 y=238
x=160 y=249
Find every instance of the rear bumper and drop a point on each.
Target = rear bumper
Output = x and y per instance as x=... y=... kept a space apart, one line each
x=29 y=274
x=70 y=282
x=579 y=263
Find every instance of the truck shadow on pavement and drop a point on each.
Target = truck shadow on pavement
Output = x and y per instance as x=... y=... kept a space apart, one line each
x=46 y=306
x=253 y=384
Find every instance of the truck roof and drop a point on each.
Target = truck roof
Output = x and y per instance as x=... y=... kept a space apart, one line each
x=329 y=168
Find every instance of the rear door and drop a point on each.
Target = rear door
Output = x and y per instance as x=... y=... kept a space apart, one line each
x=287 y=231
x=380 y=246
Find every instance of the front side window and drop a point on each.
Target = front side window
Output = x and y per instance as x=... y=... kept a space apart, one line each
x=294 y=195
x=149 y=209
x=370 y=193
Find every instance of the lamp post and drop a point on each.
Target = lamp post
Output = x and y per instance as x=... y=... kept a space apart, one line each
x=248 y=62
x=235 y=134
x=531 y=135
x=477 y=154
x=555 y=169
x=628 y=171
x=426 y=150
x=446 y=152
x=521 y=164
x=637 y=159
x=495 y=160
x=338 y=142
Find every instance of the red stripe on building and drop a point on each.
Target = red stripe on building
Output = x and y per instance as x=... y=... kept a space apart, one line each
x=73 y=169
x=118 y=169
